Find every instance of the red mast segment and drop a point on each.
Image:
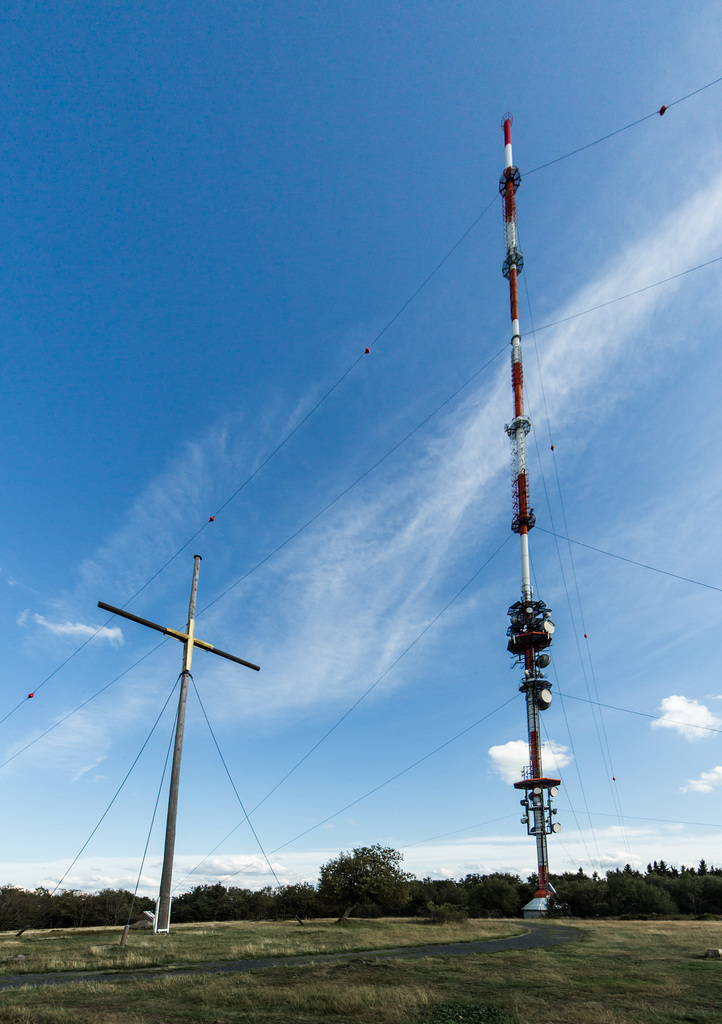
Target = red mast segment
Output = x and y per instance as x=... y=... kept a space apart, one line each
x=531 y=627
x=513 y=265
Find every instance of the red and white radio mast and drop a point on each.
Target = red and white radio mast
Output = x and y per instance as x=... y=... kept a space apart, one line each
x=531 y=628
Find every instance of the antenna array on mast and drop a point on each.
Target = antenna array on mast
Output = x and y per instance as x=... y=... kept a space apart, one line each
x=530 y=630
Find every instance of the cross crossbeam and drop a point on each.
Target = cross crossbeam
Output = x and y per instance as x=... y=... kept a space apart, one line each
x=177 y=635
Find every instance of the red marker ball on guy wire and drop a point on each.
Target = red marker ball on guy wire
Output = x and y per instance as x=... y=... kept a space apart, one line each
x=367 y=351
x=30 y=695
x=662 y=110
x=212 y=518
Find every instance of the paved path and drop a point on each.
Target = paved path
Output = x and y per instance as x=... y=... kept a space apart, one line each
x=537 y=936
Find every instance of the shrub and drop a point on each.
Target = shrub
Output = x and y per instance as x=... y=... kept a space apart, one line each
x=445 y=913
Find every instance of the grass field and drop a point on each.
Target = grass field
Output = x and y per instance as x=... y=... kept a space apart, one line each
x=619 y=973
x=93 y=949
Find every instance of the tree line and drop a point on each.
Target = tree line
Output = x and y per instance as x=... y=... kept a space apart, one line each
x=369 y=882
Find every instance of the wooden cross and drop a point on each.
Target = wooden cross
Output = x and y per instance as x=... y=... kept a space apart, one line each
x=189 y=640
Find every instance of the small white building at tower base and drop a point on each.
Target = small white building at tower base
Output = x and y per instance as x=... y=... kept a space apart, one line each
x=538 y=907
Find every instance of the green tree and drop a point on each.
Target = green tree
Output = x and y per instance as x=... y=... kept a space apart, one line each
x=18 y=908
x=72 y=908
x=369 y=874
x=495 y=895
x=299 y=900
x=629 y=894
x=580 y=896
x=439 y=891
x=711 y=893
x=112 y=906
x=205 y=903
x=262 y=904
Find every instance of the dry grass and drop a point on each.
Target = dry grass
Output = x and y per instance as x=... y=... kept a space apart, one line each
x=619 y=973
x=79 y=949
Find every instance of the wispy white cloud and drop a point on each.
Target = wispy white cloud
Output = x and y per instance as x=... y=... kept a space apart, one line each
x=74 y=748
x=76 y=630
x=335 y=608
x=178 y=500
x=706 y=783
x=80 y=741
x=582 y=355
x=360 y=586
x=687 y=717
x=508 y=759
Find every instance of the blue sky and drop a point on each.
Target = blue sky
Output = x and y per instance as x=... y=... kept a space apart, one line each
x=206 y=217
